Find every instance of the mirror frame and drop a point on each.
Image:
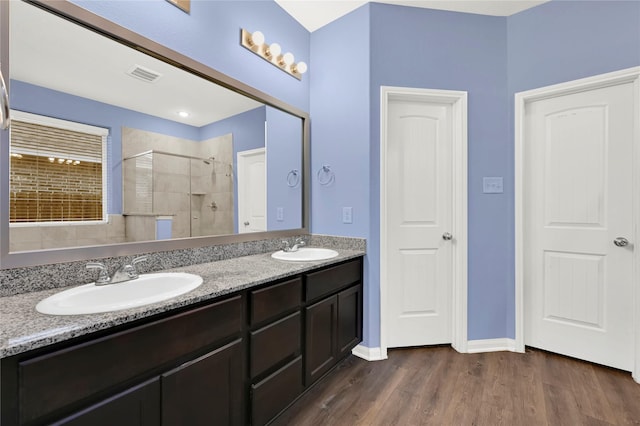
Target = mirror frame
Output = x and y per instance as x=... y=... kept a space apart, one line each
x=87 y=19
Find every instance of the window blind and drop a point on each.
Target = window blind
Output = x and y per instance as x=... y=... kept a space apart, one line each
x=47 y=141
x=55 y=174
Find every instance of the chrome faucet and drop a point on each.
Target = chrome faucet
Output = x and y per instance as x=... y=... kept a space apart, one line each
x=103 y=276
x=126 y=272
x=298 y=243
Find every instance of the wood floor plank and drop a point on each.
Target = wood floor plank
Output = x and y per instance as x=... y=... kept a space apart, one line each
x=561 y=406
x=437 y=389
x=438 y=386
x=527 y=389
x=622 y=393
x=589 y=395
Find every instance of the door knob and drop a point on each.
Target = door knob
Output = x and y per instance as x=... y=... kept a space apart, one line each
x=246 y=224
x=621 y=242
x=447 y=236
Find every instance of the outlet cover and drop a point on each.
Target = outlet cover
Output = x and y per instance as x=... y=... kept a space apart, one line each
x=492 y=185
x=280 y=214
x=347 y=215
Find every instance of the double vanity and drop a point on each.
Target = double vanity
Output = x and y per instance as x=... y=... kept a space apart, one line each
x=217 y=329
x=237 y=349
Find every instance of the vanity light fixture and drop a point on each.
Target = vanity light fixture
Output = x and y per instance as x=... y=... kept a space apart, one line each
x=255 y=42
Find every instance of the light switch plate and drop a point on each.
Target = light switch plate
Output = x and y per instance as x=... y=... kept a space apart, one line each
x=347 y=215
x=492 y=185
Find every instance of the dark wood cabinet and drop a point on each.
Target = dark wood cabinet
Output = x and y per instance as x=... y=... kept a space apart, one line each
x=237 y=360
x=274 y=300
x=83 y=372
x=137 y=406
x=349 y=319
x=333 y=324
x=275 y=341
x=202 y=392
x=274 y=393
x=205 y=391
x=321 y=338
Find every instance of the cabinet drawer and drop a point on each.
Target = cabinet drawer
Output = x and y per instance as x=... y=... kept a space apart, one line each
x=329 y=280
x=274 y=343
x=139 y=405
x=50 y=382
x=274 y=393
x=268 y=303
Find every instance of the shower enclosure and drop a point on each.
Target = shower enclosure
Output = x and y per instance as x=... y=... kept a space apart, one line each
x=169 y=195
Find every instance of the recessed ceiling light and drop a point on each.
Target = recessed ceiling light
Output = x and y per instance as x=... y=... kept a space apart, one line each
x=183 y=114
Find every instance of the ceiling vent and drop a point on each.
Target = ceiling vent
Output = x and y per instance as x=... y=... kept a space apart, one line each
x=145 y=74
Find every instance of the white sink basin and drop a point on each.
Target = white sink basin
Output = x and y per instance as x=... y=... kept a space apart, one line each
x=305 y=254
x=91 y=299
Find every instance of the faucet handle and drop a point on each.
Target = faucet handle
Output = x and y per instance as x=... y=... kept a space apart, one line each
x=285 y=245
x=133 y=273
x=103 y=276
x=139 y=259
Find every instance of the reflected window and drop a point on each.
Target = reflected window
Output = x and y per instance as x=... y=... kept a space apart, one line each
x=57 y=171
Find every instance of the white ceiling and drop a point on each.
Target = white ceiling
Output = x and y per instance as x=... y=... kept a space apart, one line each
x=82 y=63
x=314 y=14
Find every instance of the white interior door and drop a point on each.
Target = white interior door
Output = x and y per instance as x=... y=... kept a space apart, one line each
x=418 y=215
x=578 y=201
x=252 y=191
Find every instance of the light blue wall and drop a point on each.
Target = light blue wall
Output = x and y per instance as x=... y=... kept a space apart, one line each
x=415 y=48
x=210 y=34
x=566 y=40
x=455 y=51
x=284 y=154
x=340 y=137
x=490 y=58
x=248 y=133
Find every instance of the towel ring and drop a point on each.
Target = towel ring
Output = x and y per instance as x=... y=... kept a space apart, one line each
x=326 y=176
x=293 y=178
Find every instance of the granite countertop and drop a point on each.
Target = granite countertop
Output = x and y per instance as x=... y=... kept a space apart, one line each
x=22 y=328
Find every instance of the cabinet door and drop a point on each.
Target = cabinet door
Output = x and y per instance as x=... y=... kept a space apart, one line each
x=321 y=339
x=205 y=391
x=349 y=319
x=138 y=406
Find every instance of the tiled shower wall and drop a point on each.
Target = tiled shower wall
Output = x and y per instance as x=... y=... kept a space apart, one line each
x=197 y=194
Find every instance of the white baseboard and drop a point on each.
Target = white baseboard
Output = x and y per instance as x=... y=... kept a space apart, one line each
x=369 y=354
x=491 y=345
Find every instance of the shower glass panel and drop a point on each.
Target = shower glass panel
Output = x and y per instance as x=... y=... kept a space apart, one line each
x=194 y=194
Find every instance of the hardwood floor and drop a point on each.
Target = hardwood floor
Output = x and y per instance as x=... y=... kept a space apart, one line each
x=438 y=386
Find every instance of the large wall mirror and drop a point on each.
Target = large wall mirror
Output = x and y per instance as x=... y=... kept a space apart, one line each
x=119 y=145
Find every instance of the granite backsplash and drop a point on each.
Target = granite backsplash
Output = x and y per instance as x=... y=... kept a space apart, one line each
x=43 y=277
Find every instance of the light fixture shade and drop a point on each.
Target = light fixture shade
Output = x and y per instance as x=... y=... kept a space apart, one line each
x=301 y=67
x=257 y=38
x=274 y=49
x=288 y=58
x=272 y=53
